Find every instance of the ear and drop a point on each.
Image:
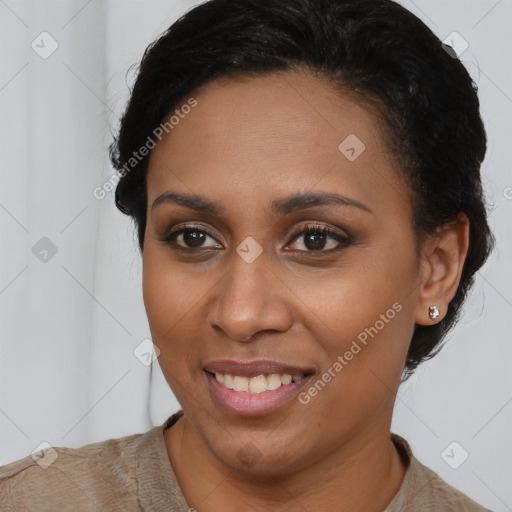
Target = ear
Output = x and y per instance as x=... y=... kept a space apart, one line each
x=443 y=257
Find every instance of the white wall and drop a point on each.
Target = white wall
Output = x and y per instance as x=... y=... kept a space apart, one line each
x=69 y=326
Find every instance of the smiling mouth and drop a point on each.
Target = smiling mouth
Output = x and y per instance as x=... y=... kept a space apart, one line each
x=254 y=388
x=257 y=384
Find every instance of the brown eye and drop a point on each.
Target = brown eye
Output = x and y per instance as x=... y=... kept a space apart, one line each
x=189 y=238
x=320 y=239
x=193 y=237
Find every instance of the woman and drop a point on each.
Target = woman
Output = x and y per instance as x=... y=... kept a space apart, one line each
x=304 y=176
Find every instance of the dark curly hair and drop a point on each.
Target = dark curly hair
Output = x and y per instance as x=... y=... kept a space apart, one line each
x=374 y=50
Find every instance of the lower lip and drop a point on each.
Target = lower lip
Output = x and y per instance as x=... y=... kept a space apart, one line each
x=249 y=404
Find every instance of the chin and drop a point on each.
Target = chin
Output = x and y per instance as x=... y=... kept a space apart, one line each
x=257 y=454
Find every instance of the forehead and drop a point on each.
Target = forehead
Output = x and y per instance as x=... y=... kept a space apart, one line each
x=250 y=137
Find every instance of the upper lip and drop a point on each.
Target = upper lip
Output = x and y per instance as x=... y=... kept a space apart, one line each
x=255 y=368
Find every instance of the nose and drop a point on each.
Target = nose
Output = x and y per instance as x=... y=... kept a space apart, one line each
x=250 y=299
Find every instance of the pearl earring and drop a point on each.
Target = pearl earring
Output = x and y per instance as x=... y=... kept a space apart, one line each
x=433 y=312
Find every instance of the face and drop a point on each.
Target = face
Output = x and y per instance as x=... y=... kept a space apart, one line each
x=278 y=253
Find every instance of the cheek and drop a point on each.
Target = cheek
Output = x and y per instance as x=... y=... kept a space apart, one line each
x=169 y=304
x=366 y=295
x=363 y=320
x=156 y=290
x=167 y=293
x=167 y=301
x=362 y=364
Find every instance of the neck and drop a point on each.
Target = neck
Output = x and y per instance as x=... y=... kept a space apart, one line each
x=364 y=474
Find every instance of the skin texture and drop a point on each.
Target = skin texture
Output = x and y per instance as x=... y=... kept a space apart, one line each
x=246 y=143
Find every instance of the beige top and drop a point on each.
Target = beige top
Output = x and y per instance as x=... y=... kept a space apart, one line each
x=133 y=473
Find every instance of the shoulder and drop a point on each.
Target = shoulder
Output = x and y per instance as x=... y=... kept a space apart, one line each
x=91 y=477
x=423 y=489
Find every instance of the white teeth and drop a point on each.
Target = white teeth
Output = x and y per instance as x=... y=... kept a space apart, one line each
x=228 y=381
x=240 y=383
x=256 y=385
x=286 y=379
x=273 y=381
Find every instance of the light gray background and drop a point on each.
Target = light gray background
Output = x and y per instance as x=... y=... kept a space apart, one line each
x=69 y=326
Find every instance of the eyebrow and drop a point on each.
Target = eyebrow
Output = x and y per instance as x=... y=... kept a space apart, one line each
x=282 y=206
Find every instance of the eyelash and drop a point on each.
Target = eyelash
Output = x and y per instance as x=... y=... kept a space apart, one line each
x=343 y=241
